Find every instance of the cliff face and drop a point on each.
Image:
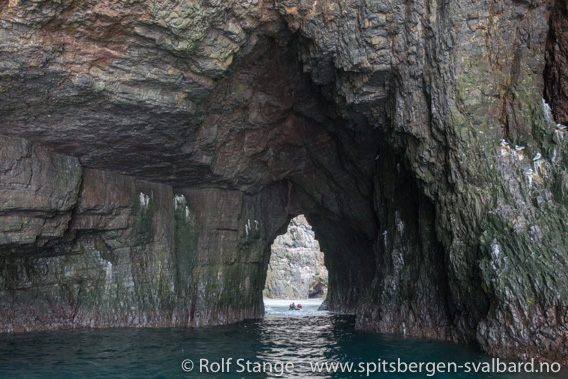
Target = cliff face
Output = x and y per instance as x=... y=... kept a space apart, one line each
x=154 y=150
x=89 y=248
x=296 y=268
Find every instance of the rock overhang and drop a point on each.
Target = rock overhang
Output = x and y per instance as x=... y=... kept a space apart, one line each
x=183 y=94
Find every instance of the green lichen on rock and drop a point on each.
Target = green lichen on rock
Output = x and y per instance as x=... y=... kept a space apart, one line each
x=143 y=218
x=186 y=233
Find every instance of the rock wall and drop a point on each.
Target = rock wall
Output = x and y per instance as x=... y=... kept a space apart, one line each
x=296 y=268
x=412 y=135
x=88 y=248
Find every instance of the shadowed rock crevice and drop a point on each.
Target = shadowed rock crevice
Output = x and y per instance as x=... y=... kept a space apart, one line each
x=556 y=70
x=410 y=294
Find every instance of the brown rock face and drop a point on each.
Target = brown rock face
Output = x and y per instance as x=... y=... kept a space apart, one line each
x=39 y=191
x=145 y=141
x=130 y=253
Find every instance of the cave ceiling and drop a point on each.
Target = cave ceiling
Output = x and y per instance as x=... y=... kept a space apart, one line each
x=216 y=99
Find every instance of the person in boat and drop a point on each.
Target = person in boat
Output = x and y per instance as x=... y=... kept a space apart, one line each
x=292 y=306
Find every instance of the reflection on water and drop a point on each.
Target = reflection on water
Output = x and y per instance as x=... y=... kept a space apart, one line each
x=303 y=339
x=295 y=337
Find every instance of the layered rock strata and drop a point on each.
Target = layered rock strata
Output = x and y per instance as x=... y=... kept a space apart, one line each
x=87 y=248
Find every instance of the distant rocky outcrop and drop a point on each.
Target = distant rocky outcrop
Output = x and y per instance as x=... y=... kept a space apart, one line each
x=296 y=269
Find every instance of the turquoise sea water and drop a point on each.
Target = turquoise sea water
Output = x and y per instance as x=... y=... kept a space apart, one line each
x=298 y=338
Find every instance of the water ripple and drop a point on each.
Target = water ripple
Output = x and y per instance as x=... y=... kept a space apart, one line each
x=282 y=336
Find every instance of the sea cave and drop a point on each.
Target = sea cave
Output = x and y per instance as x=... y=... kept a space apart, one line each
x=151 y=152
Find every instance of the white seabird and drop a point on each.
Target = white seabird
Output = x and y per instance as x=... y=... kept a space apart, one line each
x=561 y=127
x=504 y=143
x=537 y=157
x=517 y=147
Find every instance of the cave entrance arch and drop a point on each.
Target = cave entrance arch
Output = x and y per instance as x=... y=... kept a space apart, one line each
x=296 y=268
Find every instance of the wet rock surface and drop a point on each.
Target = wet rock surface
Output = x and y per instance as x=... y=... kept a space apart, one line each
x=145 y=139
x=296 y=269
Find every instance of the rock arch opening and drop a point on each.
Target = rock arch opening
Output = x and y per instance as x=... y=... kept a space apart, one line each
x=296 y=269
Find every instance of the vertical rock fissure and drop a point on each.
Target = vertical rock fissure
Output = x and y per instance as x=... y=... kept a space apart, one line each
x=556 y=57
